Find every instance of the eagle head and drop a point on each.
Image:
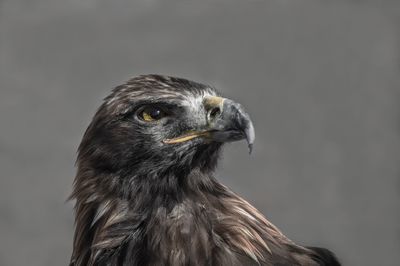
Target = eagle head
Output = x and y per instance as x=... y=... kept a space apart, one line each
x=153 y=125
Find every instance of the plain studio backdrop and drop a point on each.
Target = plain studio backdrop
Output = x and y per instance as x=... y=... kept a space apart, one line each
x=321 y=80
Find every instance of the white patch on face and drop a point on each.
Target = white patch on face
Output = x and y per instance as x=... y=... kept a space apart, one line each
x=195 y=103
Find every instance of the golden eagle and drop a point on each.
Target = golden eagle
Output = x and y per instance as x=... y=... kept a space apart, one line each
x=145 y=190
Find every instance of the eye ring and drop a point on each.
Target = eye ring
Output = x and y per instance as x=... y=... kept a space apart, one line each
x=151 y=113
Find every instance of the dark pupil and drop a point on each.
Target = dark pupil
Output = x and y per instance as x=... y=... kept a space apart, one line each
x=155 y=113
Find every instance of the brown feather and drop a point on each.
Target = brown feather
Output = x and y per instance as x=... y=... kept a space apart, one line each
x=160 y=205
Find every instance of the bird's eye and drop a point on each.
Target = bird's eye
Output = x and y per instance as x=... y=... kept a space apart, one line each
x=151 y=113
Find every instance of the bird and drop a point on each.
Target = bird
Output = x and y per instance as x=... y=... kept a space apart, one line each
x=145 y=190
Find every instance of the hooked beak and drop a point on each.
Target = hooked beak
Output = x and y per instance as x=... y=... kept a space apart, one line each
x=226 y=121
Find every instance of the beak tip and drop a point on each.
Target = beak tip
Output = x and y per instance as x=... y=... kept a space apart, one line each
x=250 y=135
x=250 y=148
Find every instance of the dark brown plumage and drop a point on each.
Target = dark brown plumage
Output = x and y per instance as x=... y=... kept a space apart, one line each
x=145 y=190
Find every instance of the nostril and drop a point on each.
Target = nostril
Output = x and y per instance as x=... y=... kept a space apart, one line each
x=214 y=113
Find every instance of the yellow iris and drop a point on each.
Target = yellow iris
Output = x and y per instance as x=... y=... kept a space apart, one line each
x=147 y=117
x=151 y=113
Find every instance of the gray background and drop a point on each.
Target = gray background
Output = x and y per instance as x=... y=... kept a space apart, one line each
x=320 y=78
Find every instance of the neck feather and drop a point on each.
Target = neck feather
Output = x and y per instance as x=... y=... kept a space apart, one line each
x=158 y=212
